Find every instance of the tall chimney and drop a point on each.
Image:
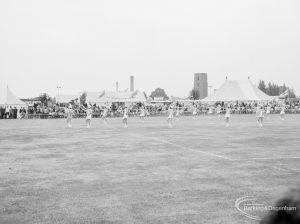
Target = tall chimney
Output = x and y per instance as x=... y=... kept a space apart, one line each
x=117 y=86
x=132 y=83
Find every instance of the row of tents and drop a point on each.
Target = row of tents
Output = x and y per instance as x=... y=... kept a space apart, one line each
x=231 y=90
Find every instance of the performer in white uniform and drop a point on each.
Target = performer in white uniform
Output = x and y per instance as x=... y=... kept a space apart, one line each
x=210 y=112
x=69 y=112
x=89 y=113
x=142 y=114
x=268 y=112
x=177 y=113
x=282 y=112
x=147 y=112
x=125 y=117
x=227 y=116
x=257 y=109
x=7 y=112
x=260 y=115
x=195 y=110
x=105 y=113
x=170 y=116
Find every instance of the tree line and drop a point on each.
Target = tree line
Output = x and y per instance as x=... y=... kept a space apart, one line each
x=273 y=89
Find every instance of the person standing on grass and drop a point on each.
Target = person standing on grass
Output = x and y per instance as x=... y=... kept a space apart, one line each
x=282 y=112
x=260 y=115
x=257 y=113
x=7 y=112
x=195 y=110
x=142 y=114
x=125 y=117
x=210 y=112
x=268 y=112
x=170 y=116
x=177 y=113
x=147 y=111
x=69 y=112
x=105 y=113
x=89 y=113
x=227 y=115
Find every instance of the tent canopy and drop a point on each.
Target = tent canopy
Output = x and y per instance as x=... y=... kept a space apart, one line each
x=235 y=90
x=8 y=98
x=119 y=96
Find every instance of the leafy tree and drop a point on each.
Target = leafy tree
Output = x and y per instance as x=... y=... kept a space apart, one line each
x=275 y=90
x=262 y=86
x=292 y=94
x=83 y=98
x=158 y=92
x=284 y=88
x=194 y=94
x=44 y=98
x=271 y=89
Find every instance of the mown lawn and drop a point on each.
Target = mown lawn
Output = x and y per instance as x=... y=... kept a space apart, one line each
x=147 y=173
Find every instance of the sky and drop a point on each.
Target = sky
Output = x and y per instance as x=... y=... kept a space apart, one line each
x=91 y=44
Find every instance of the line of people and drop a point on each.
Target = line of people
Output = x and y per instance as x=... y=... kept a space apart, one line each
x=159 y=109
x=173 y=111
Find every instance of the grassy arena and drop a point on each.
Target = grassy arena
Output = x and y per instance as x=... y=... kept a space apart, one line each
x=148 y=173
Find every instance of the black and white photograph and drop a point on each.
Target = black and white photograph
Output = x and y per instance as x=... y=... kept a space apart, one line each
x=149 y=112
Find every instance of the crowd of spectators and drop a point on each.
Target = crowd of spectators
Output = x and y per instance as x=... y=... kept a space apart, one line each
x=250 y=107
x=11 y=112
x=186 y=108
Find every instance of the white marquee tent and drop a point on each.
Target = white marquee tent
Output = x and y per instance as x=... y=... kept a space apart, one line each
x=235 y=90
x=8 y=98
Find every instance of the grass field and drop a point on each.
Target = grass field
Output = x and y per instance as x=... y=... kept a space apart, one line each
x=147 y=173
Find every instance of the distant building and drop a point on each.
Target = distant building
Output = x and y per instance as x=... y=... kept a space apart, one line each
x=132 y=83
x=201 y=84
x=103 y=97
x=66 y=99
x=32 y=101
